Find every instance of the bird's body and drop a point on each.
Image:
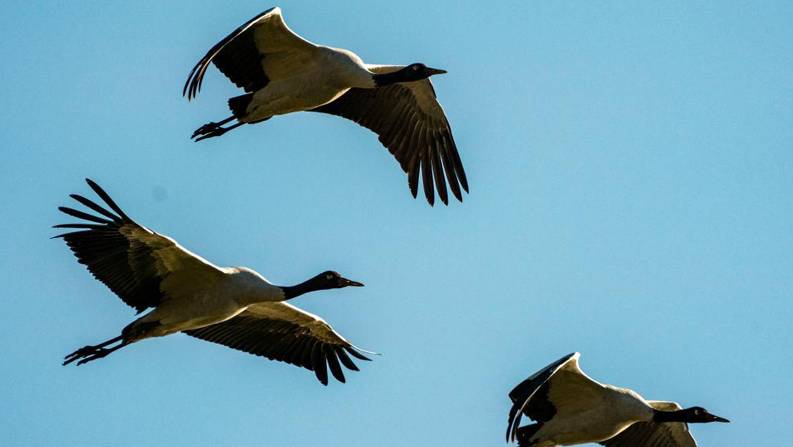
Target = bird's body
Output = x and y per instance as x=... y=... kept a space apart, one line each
x=233 y=306
x=319 y=81
x=283 y=73
x=591 y=424
x=209 y=299
x=570 y=409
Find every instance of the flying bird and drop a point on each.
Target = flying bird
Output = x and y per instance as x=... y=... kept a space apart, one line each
x=231 y=306
x=282 y=73
x=570 y=408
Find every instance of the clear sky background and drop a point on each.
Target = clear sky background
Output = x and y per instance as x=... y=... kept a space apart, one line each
x=631 y=171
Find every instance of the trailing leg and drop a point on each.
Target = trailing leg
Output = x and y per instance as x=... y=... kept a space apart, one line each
x=205 y=132
x=89 y=353
x=132 y=333
x=209 y=127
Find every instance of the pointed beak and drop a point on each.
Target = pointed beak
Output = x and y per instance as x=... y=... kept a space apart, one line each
x=719 y=419
x=351 y=283
x=435 y=71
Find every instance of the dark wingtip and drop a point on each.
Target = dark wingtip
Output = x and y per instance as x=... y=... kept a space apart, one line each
x=184 y=89
x=107 y=199
x=354 y=352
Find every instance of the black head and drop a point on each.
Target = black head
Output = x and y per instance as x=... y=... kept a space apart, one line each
x=419 y=71
x=699 y=414
x=323 y=281
x=693 y=414
x=332 y=280
x=413 y=72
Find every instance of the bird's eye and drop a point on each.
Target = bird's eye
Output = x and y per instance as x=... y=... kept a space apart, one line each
x=415 y=68
x=328 y=276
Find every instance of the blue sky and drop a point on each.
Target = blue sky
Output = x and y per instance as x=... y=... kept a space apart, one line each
x=630 y=171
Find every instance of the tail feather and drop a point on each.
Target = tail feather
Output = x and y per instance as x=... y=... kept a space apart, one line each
x=525 y=434
x=239 y=105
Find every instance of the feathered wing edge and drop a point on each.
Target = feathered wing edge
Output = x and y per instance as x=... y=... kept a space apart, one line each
x=98 y=243
x=292 y=342
x=196 y=77
x=522 y=394
x=422 y=143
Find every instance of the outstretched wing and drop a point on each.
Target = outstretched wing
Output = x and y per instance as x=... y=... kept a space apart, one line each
x=654 y=434
x=530 y=397
x=411 y=123
x=282 y=332
x=140 y=266
x=251 y=55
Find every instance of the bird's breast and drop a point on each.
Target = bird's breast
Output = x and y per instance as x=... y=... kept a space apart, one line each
x=582 y=428
x=345 y=69
x=198 y=310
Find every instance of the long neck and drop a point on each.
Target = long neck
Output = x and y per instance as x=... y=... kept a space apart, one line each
x=311 y=285
x=671 y=416
x=384 y=79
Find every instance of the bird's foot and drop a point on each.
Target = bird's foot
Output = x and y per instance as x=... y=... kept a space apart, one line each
x=82 y=352
x=98 y=354
x=86 y=354
x=208 y=127
x=208 y=130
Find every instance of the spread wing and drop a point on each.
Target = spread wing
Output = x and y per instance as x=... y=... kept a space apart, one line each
x=260 y=50
x=411 y=123
x=560 y=387
x=530 y=397
x=282 y=332
x=140 y=266
x=654 y=434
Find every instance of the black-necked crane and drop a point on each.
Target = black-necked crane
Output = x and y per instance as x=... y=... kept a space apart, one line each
x=283 y=73
x=570 y=408
x=231 y=306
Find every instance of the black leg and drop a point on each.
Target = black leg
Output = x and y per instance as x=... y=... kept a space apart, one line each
x=91 y=351
x=99 y=353
x=209 y=127
x=216 y=132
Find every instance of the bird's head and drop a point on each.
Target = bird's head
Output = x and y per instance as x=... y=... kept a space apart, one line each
x=332 y=280
x=410 y=73
x=699 y=414
x=418 y=71
x=323 y=281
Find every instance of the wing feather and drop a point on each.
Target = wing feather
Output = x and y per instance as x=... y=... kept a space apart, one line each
x=134 y=262
x=282 y=332
x=411 y=124
x=530 y=397
x=243 y=55
x=654 y=434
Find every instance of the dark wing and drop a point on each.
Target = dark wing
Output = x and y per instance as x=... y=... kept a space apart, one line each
x=137 y=264
x=282 y=332
x=530 y=397
x=410 y=122
x=243 y=55
x=654 y=434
